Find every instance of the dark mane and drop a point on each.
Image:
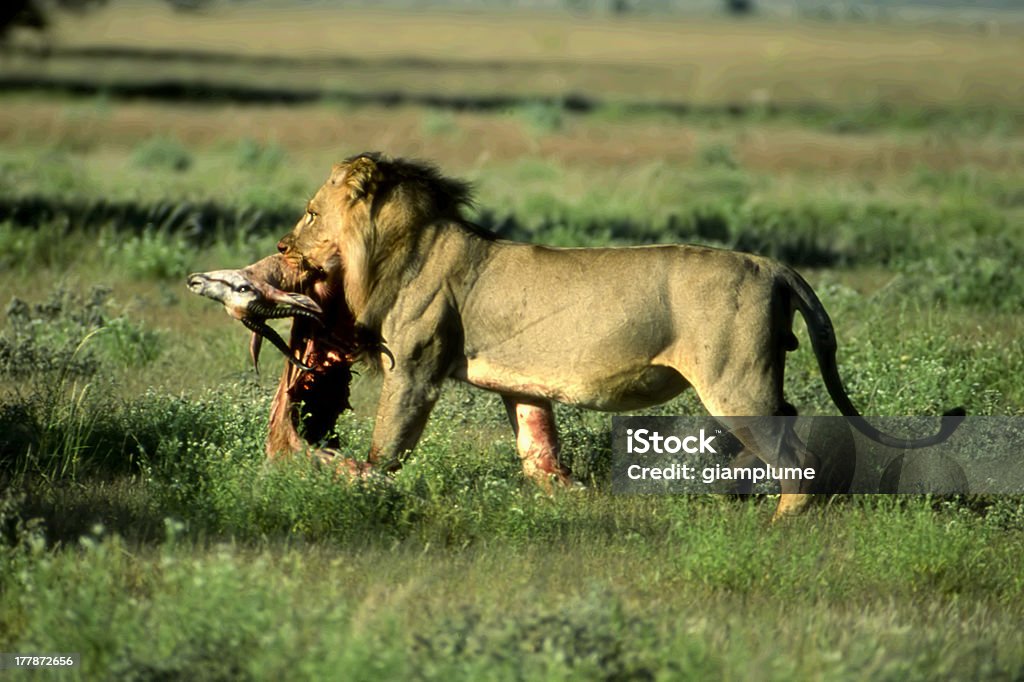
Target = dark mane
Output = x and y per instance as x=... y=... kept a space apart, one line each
x=450 y=196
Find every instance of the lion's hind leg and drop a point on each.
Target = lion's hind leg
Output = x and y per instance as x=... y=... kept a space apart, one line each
x=745 y=460
x=533 y=423
x=773 y=441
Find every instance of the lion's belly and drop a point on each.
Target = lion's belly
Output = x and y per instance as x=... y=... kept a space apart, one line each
x=626 y=388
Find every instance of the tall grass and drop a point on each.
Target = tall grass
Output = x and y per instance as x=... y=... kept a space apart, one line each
x=142 y=527
x=660 y=588
x=149 y=534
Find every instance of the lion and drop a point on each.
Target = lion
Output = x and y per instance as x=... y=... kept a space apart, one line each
x=613 y=329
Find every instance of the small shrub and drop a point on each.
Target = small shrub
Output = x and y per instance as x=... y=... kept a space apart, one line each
x=48 y=244
x=982 y=272
x=972 y=183
x=152 y=254
x=438 y=124
x=162 y=153
x=73 y=332
x=253 y=155
x=717 y=155
x=542 y=118
x=588 y=638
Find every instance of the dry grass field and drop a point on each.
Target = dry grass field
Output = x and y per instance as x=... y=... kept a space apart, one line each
x=697 y=61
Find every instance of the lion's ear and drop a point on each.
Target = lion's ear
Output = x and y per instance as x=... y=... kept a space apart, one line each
x=359 y=175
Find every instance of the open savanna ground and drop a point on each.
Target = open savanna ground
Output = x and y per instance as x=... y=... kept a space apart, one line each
x=142 y=527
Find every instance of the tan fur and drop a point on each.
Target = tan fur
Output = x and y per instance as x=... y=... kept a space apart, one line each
x=606 y=328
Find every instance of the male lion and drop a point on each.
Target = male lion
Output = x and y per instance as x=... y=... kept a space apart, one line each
x=605 y=328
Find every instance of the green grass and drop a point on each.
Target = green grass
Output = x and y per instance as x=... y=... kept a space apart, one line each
x=591 y=588
x=161 y=152
x=163 y=543
x=142 y=527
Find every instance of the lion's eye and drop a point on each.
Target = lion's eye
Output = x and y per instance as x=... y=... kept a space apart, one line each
x=310 y=217
x=244 y=289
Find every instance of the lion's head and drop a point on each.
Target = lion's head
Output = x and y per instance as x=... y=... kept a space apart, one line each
x=360 y=228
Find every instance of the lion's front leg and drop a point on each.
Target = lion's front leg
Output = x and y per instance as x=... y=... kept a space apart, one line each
x=533 y=423
x=402 y=413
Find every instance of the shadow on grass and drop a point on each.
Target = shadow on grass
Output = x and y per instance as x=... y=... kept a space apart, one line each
x=117 y=506
x=204 y=222
x=138 y=54
x=201 y=221
x=212 y=92
x=183 y=90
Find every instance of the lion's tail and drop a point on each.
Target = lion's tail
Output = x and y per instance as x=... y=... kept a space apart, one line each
x=823 y=341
